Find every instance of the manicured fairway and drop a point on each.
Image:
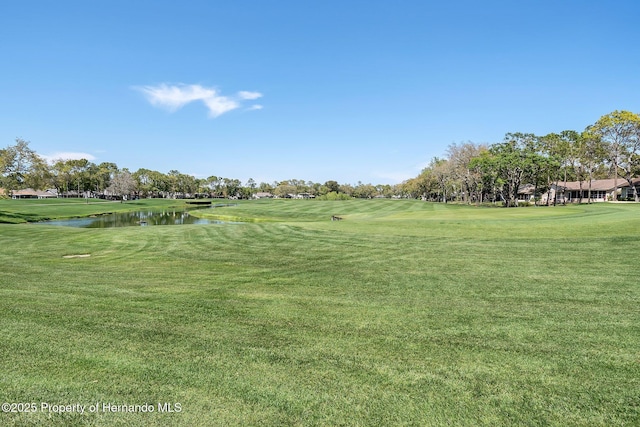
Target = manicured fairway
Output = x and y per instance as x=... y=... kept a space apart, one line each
x=403 y=313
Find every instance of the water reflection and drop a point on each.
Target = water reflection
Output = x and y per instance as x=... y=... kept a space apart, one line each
x=138 y=218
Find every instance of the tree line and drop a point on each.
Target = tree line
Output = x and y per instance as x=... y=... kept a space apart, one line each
x=470 y=173
x=21 y=167
x=477 y=173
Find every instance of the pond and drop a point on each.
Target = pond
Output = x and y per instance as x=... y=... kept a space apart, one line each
x=137 y=218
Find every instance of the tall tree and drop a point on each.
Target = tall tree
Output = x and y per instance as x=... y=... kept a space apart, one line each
x=332 y=186
x=619 y=131
x=441 y=171
x=16 y=163
x=172 y=181
x=143 y=181
x=265 y=187
x=231 y=187
x=214 y=184
x=572 y=144
x=491 y=183
x=284 y=189
x=40 y=175
x=592 y=154
x=105 y=173
x=460 y=156
x=122 y=185
x=160 y=186
x=80 y=174
x=186 y=184
x=554 y=149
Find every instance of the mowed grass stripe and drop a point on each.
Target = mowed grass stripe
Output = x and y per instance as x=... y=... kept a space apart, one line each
x=434 y=319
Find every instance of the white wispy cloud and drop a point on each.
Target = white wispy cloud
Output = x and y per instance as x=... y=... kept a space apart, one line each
x=68 y=155
x=174 y=97
x=249 y=95
x=255 y=107
x=218 y=105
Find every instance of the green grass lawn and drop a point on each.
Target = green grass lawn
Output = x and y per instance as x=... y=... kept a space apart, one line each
x=404 y=313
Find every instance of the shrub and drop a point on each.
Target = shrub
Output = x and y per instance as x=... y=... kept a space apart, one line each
x=334 y=196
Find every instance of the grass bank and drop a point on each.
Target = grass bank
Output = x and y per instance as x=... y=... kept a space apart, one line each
x=404 y=313
x=32 y=210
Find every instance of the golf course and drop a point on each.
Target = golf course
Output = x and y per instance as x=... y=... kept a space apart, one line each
x=403 y=313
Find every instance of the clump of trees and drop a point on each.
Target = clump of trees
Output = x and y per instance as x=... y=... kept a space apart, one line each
x=476 y=173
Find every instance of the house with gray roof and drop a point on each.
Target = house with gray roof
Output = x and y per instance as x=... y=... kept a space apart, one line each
x=30 y=193
x=597 y=190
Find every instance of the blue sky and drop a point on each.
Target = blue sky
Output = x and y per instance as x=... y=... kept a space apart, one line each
x=334 y=90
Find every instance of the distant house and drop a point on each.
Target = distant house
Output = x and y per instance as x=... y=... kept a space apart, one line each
x=30 y=193
x=526 y=193
x=262 y=195
x=53 y=192
x=299 y=196
x=602 y=190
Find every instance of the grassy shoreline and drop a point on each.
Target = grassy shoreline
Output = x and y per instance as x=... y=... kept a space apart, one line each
x=404 y=313
x=33 y=210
